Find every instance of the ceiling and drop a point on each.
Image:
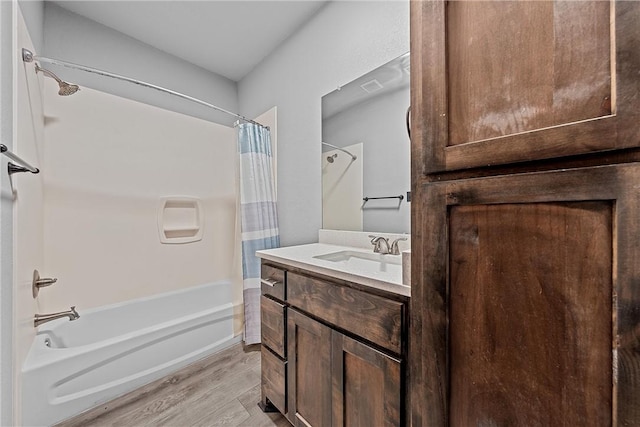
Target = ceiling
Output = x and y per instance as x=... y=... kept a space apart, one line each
x=394 y=75
x=225 y=37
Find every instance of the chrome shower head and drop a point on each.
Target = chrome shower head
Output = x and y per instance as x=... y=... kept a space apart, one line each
x=66 y=89
x=331 y=159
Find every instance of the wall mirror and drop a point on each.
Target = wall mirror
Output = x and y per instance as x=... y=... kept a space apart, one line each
x=366 y=152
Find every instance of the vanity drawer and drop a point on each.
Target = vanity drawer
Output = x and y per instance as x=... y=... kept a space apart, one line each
x=274 y=379
x=272 y=316
x=372 y=317
x=272 y=282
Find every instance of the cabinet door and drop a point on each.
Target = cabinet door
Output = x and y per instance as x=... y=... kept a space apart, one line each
x=504 y=82
x=309 y=368
x=525 y=305
x=366 y=385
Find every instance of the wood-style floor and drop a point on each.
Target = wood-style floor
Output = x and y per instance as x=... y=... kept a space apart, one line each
x=221 y=390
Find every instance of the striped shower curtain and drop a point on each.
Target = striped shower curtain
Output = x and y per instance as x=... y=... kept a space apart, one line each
x=258 y=217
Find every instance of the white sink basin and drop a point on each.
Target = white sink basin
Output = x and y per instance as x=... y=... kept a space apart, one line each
x=365 y=261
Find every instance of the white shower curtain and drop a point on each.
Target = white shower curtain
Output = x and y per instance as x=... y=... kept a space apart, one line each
x=258 y=217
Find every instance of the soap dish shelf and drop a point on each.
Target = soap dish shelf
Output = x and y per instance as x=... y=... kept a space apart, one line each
x=180 y=220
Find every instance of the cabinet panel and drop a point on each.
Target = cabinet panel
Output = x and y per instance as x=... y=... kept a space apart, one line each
x=273 y=383
x=530 y=314
x=372 y=317
x=496 y=91
x=505 y=82
x=525 y=303
x=272 y=325
x=366 y=385
x=309 y=367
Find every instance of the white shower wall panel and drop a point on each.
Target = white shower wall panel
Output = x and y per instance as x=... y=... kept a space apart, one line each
x=108 y=162
x=26 y=193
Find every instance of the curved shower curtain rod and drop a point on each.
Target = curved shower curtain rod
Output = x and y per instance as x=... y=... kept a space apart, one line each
x=28 y=56
x=341 y=149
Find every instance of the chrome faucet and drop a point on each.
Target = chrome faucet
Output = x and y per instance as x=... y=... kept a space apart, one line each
x=380 y=244
x=394 y=246
x=44 y=318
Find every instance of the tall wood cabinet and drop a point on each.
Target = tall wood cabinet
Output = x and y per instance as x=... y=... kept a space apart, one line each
x=525 y=301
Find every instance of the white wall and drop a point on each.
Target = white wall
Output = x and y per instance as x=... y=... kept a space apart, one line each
x=343 y=41
x=380 y=123
x=33 y=15
x=73 y=38
x=108 y=161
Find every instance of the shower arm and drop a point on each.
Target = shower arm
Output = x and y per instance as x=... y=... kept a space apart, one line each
x=50 y=74
x=341 y=149
x=28 y=56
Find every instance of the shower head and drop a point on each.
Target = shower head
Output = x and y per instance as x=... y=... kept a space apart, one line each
x=331 y=159
x=66 y=89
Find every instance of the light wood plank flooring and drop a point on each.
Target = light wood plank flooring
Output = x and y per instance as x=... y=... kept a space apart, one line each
x=221 y=390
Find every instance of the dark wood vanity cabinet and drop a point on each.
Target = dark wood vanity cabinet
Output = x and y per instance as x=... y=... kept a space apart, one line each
x=525 y=307
x=346 y=349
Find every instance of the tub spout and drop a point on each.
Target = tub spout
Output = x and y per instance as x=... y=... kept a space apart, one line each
x=39 y=319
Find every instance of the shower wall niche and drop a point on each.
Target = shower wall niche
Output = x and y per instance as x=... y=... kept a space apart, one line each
x=179 y=220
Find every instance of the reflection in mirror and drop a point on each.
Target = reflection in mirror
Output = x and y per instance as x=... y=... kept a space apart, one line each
x=367 y=118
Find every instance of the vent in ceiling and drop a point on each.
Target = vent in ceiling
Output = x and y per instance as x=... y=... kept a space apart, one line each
x=371 y=86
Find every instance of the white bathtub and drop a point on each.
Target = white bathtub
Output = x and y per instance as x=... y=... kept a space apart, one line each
x=111 y=350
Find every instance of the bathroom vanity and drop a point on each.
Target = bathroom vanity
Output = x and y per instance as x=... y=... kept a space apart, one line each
x=334 y=336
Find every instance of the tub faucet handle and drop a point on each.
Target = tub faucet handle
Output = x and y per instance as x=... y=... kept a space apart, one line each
x=39 y=282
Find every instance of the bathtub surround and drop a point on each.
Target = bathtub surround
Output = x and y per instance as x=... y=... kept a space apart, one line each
x=104 y=181
x=259 y=216
x=74 y=366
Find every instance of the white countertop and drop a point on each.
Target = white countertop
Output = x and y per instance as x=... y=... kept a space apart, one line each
x=303 y=256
